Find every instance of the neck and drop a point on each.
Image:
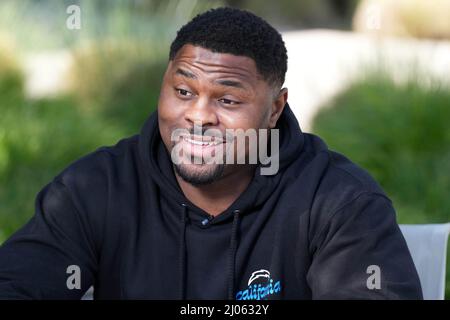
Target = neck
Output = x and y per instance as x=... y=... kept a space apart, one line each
x=216 y=197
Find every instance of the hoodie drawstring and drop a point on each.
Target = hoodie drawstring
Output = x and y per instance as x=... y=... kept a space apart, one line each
x=232 y=255
x=182 y=253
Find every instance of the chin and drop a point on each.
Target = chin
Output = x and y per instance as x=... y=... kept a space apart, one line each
x=202 y=174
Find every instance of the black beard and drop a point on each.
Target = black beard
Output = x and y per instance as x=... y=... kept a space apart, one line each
x=200 y=179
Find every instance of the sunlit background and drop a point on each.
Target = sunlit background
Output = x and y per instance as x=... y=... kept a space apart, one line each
x=372 y=78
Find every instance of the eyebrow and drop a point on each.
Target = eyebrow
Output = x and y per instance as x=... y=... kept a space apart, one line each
x=185 y=73
x=231 y=83
x=228 y=83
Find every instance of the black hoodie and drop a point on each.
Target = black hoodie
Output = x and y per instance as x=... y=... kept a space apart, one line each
x=321 y=228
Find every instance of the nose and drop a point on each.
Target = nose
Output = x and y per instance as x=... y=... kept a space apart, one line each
x=201 y=113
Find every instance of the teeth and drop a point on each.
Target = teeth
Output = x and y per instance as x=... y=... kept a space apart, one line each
x=202 y=143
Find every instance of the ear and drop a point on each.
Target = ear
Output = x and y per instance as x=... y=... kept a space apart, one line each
x=277 y=107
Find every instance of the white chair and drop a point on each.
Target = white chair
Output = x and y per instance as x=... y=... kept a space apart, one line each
x=427 y=244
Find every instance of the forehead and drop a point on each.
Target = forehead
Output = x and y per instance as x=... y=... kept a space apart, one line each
x=204 y=60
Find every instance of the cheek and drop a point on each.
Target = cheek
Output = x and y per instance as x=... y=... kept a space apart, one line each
x=165 y=133
x=168 y=118
x=166 y=108
x=245 y=119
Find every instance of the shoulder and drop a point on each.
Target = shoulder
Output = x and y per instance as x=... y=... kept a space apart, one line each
x=340 y=187
x=85 y=185
x=336 y=174
x=98 y=167
x=82 y=190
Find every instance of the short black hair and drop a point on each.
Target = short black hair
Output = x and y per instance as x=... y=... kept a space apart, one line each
x=238 y=32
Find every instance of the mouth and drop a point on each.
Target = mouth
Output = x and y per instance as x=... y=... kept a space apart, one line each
x=203 y=141
x=202 y=147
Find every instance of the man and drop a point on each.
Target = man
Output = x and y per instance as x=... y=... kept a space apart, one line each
x=153 y=218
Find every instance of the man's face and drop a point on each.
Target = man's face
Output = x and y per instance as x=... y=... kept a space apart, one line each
x=215 y=91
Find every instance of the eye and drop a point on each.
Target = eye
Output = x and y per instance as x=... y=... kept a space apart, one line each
x=228 y=101
x=183 y=92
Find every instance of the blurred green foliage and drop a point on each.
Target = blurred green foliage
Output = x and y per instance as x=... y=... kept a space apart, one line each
x=41 y=24
x=118 y=82
x=294 y=14
x=11 y=77
x=401 y=135
x=39 y=138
